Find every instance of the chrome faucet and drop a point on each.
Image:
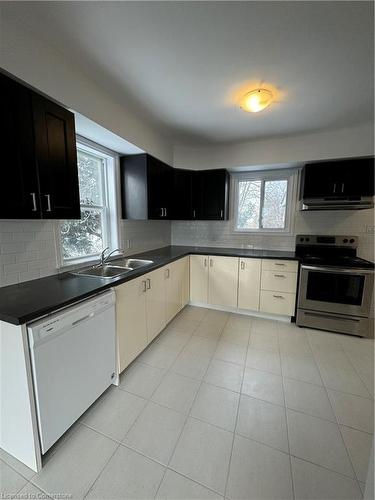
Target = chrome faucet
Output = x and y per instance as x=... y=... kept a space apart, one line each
x=103 y=258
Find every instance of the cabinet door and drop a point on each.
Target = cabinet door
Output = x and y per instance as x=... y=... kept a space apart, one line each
x=185 y=285
x=199 y=278
x=249 y=283
x=358 y=177
x=173 y=282
x=223 y=281
x=55 y=144
x=159 y=184
x=155 y=303
x=211 y=194
x=131 y=320
x=320 y=180
x=19 y=193
x=181 y=208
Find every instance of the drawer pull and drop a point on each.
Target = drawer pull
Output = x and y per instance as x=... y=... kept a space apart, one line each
x=279 y=264
x=242 y=265
x=278 y=296
x=279 y=275
x=148 y=283
x=144 y=286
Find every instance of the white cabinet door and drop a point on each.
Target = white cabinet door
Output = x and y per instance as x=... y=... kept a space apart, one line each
x=199 y=278
x=249 y=283
x=277 y=302
x=279 y=281
x=131 y=320
x=173 y=281
x=223 y=281
x=155 y=303
x=185 y=284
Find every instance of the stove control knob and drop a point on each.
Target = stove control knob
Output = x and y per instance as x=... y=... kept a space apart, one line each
x=352 y=240
x=302 y=239
x=345 y=240
x=307 y=239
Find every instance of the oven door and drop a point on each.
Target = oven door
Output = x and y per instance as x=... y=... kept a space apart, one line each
x=331 y=289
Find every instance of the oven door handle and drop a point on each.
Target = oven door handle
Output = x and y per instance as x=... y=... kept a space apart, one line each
x=338 y=270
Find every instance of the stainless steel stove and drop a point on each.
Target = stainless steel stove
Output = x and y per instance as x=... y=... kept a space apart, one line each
x=335 y=286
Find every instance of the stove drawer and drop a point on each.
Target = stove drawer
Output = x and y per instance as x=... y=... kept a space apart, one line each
x=280 y=265
x=277 y=302
x=279 y=281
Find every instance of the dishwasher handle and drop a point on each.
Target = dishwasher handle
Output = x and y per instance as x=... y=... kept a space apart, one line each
x=80 y=320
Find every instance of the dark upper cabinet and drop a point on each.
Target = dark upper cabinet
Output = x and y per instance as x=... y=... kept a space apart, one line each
x=39 y=176
x=146 y=185
x=353 y=177
x=19 y=190
x=210 y=194
x=182 y=194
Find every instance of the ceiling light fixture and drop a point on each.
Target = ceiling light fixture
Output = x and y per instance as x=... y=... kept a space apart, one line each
x=256 y=100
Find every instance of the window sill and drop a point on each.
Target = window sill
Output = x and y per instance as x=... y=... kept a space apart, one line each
x=81 y=262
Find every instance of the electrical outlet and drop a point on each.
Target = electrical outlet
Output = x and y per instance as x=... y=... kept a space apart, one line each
x=370 y=229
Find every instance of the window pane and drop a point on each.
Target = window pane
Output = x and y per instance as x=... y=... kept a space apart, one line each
x=248 y=204
x=274 y=204
x=90 y=179
x=83 y=237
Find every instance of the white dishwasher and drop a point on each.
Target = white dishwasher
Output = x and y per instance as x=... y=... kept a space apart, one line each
x=73 y=357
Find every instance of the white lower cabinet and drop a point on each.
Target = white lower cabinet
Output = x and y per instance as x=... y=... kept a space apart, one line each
x=277 y=302
x=278 y=286
x=223 y=281
x=131 y=322
x=185 y=286
x=155 y=303
x=199 y=278
x=249 y=284
x=177 y=287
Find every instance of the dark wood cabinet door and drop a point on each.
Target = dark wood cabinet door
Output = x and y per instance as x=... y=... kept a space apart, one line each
x=56 y=153
x=320 y=180
x=358 y=177
x=19 y=196
x=211 y=194
x=159 y=185
x=182 y=194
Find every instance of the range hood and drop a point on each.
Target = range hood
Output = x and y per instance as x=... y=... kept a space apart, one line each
x=349 y=203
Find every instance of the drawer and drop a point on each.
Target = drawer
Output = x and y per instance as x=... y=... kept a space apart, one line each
x=290 y=266
x=277 y=302
x=279 y=281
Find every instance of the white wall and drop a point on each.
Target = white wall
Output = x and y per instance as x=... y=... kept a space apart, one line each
x=351 y=141
x=43 y=67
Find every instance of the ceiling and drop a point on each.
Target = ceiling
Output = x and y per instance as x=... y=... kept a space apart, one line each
x=185 y=64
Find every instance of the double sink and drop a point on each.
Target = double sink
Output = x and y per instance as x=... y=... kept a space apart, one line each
x=113 y=269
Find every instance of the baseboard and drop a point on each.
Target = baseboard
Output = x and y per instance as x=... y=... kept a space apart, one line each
x=246 y=312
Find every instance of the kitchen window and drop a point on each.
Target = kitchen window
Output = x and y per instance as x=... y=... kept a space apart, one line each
x=84 y=239
x=263 y=201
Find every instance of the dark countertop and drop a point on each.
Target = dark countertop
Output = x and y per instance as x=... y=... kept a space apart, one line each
x=27 y=301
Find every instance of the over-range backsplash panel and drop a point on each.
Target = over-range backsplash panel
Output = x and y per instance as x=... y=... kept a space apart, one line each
x=28 y=248
x=359 y=223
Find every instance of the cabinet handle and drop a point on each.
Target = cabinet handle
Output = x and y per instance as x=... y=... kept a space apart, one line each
x=205 y=262
x=34 y=201
x=334 y=187
x=148 y=283
x=194 y=214
x=165 y=212
x=279 y=275
x=342 y=187
x=221 y=213
x=162 y=212
x=144 y=286
x=48 y=202
x=167 y=273
x=242 y=265
x=211 y=263
x=278 y=296
x=279 y=264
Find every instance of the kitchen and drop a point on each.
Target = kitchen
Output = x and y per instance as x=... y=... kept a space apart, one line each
x=186 y=288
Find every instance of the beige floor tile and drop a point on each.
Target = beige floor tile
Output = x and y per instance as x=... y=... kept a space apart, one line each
x=156 y=431
x=128 y=475
x=264 y=422
x=312 y=482
x=224 y=374
x=177 y=487
x=209 y=331
x=176 y=392
x=141 y=379
x=258 y=472
x=235 y=336
x=264 y=360
x=318 y=441
x=232 y=353
x=359 y=445
x=216 y=406
x=10 y=481
x=201 y=346
x=182 y=325
x=353 y=411
x=173 y=339
x=16 y=464
x=301 y=367
x=308 y=398
x=191 y=365
x=202 y=454
x=264 y=342
x=31 y=492
x=115 y=413
x=158 y=356
x=263 y=385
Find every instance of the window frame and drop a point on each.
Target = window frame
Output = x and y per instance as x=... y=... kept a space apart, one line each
x=110 y=209
x=290 y=175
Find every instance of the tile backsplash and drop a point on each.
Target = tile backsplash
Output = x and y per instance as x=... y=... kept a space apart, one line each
x=28 y=248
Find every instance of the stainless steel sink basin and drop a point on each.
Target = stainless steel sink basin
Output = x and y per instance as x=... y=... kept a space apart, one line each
x=107 y=271
x=133 y=263
x=113 y=269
